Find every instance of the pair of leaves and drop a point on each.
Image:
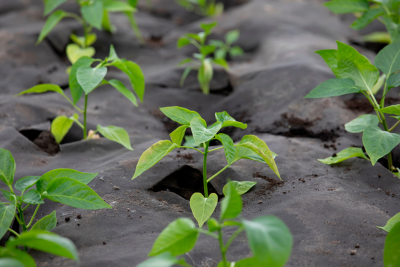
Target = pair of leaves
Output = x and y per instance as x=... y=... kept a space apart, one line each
x=75 y=52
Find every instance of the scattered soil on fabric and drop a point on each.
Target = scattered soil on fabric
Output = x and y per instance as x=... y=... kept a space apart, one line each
x=363 y=105
x=43 y=139
x=155 y=41
x=188 y=157
x=271 y=186
x=185 y=182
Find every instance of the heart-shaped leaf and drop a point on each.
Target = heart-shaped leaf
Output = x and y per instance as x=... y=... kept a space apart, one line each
x=93 y=14
x=202 y=208
x=89 y=78
x=116 y=134
x=74 y=86
x=75 y=52
x=202 y=133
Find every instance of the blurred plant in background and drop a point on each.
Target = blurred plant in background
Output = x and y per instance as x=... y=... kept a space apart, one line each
x=207 y=8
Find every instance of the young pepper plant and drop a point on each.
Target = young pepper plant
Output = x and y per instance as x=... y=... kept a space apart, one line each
x=207 y=8
x=65 y=186
x=387 y=12
x=84 y=79
x=356 y=74
x=250 y=147
x=202 y=62
x=94 y=14
x=225 y=49
x=392 y=243
x=269 y=239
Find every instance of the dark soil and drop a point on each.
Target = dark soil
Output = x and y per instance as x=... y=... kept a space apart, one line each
x=364 y=106
x=272 y=184
x=43 y=139
x=185 y=182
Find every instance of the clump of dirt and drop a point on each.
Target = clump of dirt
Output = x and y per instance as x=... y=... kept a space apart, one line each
x=363 y=105
x=47 y=143
x=185 y=182
x=155 y=41
x=187 y=157
x=272 y=184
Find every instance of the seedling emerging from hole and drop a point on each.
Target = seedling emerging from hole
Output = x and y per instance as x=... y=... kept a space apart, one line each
x=250 y=147
x=269 y=239
x=386 y=12
x=84 y=79
x=356 y=74
x=65 y=186
x=94 y=14
x=203 y=62
x=207 y=8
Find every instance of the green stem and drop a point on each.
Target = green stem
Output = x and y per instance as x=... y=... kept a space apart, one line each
x=33 y=216
x=233 y=236
x=215 y=149
x=389 y=155
x=189 y=147
x=26 y=207
x=394 y=126
x=135 y=28
x=207 y=233
x=12 y=231
x=21 y=216
x=85 y=32
x=223 y=252
x=223 y=169
x=84 y=118
x=373 y=105
x=18 y=220
x=206 y=144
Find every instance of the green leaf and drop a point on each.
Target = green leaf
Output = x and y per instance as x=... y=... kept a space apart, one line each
x=202 y=133
x=392 y=28
x=207 y=49
x=379 y=143
x=89 y=78
x=259 y=147
x=185 y=61
x=50 y=5
x=91 y=38
x=178 y=237
x=189 y=141
x=118 y=6
x=216 y=43
x=32 y=197
x=8 y=195
x=269 y=239
x=207 y=27
x=231 y=205
x=333 y=87
x=222 y=62
x=7 y=167
x=10 y=262
x=184 y=75
x=229 y=147
x=353 y=65
x=220 y=53
x=16 y=254
x=7 y=213
x=106 y=23
x=381 y=81
x=50 y=23
x=388 y=59
x=212 y=225
x=227 y=120
x=163 y=260
x=232 y=36
x=181 y=115
x=330 y=57
x=377 y=37
x=240 y=187
x=391 y=253
x=93 y=14
x=347 y=6
x=361 y=123
x=391 y=223
x=61 y=125
x=178 y=134
x=46 y=242
x=45 y=179
x=135 y=75
x=123 y=90
x=26 y=182
x=42 y=88
x=367 y=18
x=393 y=81
x=394 y=109
x=75 y=87
x=236 y=51
x=116 y=134
x=347 y=153
x=46 y=223
x=74 y=193
x=153 y=155
x=75 y=52
x=202 y=208
x=183 y=41
x=112 y=55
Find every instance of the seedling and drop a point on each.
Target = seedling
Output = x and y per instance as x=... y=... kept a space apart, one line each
x=206 y=8
x=250 y=147
x=386 y=12
x=201 y=62
x=84 y=79
x=94 y=14
x=356 y=74
x=65 y=186
x=392 y=243
x=269 y=239
x=225 y=49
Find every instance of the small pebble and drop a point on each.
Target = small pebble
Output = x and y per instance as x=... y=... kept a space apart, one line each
x=357 y=246
x=116 y=187
x=104 y=243
x=353 y=252
x=260 y=201
x=67 y=219
x=79 y=216
x=372 y=258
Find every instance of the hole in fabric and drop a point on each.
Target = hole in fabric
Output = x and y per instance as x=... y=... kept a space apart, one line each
x=185 y=182
x=43 y=139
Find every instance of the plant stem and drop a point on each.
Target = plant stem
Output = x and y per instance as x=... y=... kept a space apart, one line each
x=215 y=149
x=233 y=236
x=72 y=103
x=207 y=233
x=33 y=216
x=394 y=126
x=86 y=33
x=206 y=145
x=25 y=207
x=189 y=147
x=84 y=118
x=221 y=245
x=12 y=231
x=223 y=169
x=21 y=216
x=135 y=27
x=389 y=155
